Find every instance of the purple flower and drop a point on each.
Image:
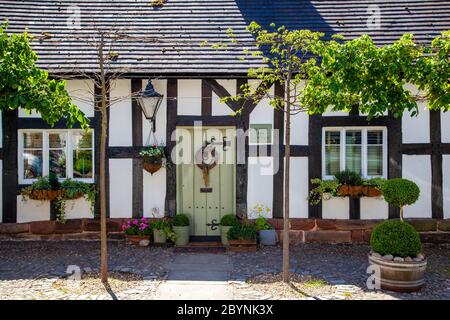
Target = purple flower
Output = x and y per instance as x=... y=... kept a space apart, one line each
x=136 y=222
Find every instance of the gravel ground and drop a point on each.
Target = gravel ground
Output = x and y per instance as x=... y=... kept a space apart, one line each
x=37 y=270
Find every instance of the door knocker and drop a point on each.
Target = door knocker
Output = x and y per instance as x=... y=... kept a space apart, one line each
x=206 y=158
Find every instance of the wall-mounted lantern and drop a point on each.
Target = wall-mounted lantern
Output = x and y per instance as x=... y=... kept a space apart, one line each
x=149 y=100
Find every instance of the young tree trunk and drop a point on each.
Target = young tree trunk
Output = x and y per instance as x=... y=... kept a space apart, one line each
x=286 y=182
x=103 y=231
x=401 y=214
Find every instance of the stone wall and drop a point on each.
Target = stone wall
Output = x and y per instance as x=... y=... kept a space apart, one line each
x=302 y=230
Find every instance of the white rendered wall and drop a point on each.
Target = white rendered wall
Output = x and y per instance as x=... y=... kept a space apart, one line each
x=263 y=112
x=260 y=183
x=81 y=92
x=446 y=185
x=120 y=188
x=79 y=208
x=120 y=133
x=154 y=192
x=32 y=210
x=220 y=108
x=374 y=208
x=161 y=117
x=298 y=184
x=189 y=97
x=300 y=129
x=336 y=208
x=445 y=127
x=417 y=168
x=416 y=129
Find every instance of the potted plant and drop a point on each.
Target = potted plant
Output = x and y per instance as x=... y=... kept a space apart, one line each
x=162 y=231
x=242 y=238
x=396 y=244
x=396 y=250
x=154 y=157
x=373 y=187
x=351 y=183
x=324 y=190
x=181 y=229
x=136 y=230
x=226 y=222
x=267 y=235
x=43 y=189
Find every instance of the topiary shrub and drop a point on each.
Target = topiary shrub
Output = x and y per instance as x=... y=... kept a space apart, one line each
x=229 y=220
x=180 y=220
x=400 y=192
x=397 y=238
x=242 y=232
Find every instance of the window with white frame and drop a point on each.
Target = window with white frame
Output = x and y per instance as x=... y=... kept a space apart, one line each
x=359 y=149
x=64 y=153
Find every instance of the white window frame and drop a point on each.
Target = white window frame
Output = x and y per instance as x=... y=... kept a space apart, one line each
x=45 y=154
x=342 y=145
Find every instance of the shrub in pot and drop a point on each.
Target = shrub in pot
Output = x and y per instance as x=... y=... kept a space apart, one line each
x=396 y=250
x=136 y=230
x=181 y=229
x=400 y=192
x=226 y=222
x=162 y=231
x=267 y=235
x=242 y=238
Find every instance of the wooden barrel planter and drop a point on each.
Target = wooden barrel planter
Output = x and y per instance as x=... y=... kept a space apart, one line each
x=407 y=276
x=242 y=245
x=152 y=165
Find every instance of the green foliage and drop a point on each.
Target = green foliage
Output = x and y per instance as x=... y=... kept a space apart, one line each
x=153 y=152
x=396 y=238
x=400 y=192
x=42 y=183
x=229 y=220
x=164 y=226
x=180 y=220
x=323 y=186
x=242 y=232
x=137 y=227
x=373 y=78
x=377 y=183
x=261 y=223
x=26 y=86
x=349 y=177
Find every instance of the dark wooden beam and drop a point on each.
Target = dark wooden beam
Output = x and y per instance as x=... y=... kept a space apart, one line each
x=416 y=148
x=242 y=125
x=315 y=159
x=278 y=178
x=10 y=164
x=355 y=208
x=207 y=120
x=138 y=169
x=354 y=120
x=206 y=99
x=38 y=123
x=221 y=92
x=171 y=174
x=437 y=199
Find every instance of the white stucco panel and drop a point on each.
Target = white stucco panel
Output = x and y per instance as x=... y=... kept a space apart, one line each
x=298 y=184
x=416 y=129
x=300 y=129
x=154 y=193
x=220 y=108
x=120 y=188
x=82 y=94
x=263 y=112
x=374 y=208
x=161 y=117
x=260 y=182
x=336 y=208
x=417 y=168
x=32 y=210
x=189 y=97
x=445 y=128
x=446 y=185
x=120 y=132
x=79 y=208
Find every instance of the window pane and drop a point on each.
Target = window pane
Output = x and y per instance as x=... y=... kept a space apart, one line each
x=57 y=163
x=32 y=164
x=374 y=137
x=353 y=137
x=332 y=160
x=332 y=137
x=57 y=140
x=375 y=160
x=82 y=140
x=32 y=140
x=261 y=133
x=353 y=159
x=82 y=164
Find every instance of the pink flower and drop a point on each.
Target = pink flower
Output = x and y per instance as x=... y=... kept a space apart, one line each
x=136 y=222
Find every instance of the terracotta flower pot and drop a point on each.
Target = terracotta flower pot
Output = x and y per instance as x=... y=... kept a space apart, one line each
x=351 y=191
x=372 y=192
x=152 y=165
x=135 y=239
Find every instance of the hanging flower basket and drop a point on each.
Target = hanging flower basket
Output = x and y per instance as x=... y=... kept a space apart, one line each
x=152 y=165
x=44 y=195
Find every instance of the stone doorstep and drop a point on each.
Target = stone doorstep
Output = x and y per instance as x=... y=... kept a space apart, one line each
x=328 y=236
x=423 y=224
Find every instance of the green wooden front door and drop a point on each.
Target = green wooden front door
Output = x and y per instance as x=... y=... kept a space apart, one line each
x=206 y=204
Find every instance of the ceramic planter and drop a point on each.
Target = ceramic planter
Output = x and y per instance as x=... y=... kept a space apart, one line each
x=405 y=276
x=182 y=235
x=242 y=245
x=159 y=236
x=135 y=239
x=224 y=234
x=267 y=237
